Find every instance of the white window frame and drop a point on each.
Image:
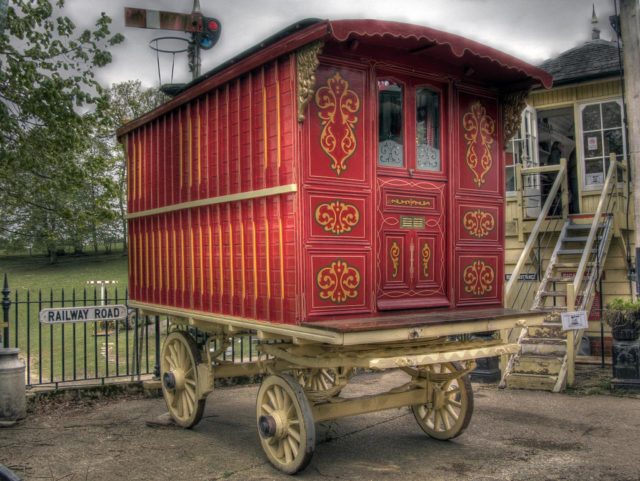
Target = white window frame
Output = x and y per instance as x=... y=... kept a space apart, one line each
x=527 y=133
x=583 y=160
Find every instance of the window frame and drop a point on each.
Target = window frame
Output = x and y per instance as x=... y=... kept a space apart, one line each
x=530 y=138
x=596 y=187
x=410 y=85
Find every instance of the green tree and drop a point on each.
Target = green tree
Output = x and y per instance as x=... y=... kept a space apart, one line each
x=123 y=102
x=47 y=85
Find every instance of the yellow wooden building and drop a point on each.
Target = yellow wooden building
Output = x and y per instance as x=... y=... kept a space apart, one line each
x=569 y=216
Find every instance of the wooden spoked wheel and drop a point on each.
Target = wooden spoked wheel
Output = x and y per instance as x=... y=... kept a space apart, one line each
x=285 y=423
x=178 y=368
x=317 y=379
x=450 y=408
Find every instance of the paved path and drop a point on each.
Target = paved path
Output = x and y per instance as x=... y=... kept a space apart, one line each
x=514 y=435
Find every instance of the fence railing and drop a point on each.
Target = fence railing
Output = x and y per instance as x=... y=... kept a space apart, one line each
x=94 y=351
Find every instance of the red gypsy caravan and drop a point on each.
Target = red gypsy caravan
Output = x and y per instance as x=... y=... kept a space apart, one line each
x=339 y=191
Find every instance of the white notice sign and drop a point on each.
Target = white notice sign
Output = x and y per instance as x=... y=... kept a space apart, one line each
x=592 y=143
x=574 y=320
x=83 y=314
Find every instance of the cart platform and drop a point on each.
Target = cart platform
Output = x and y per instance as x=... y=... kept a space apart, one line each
x=416 y=318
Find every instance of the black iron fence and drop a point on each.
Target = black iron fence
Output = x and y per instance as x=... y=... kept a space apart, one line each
x=93 y=351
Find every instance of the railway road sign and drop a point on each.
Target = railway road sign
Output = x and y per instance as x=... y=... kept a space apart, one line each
x=60 y=315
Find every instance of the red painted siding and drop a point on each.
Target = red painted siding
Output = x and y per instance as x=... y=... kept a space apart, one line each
x=235 y=258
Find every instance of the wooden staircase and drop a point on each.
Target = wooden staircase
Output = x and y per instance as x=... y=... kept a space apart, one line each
x=547 y=354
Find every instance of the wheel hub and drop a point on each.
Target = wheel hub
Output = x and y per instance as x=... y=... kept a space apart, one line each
x=274 y=425
x=174 y=380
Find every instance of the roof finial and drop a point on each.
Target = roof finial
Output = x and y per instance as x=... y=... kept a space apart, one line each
x=196 y=6
x=595 y=31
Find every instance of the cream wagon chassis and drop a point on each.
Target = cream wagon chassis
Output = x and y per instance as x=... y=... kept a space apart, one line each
x=306 y=369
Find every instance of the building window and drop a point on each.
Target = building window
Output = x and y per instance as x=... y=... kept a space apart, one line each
x=390 y=128
x=522 y=148
x=602 y=134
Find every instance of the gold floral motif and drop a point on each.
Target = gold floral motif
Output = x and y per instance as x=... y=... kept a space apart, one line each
x=337 y=217
x=394 y=255
x=478 y=278
x=307 y=63
x=426 y=256
x=478 y=223
x=338 y=282
x=337 y=108
x=475 y=122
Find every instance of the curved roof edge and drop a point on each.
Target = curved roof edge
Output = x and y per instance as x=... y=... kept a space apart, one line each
x=309 y=30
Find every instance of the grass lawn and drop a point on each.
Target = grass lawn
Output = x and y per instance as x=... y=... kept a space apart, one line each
x=35 y=272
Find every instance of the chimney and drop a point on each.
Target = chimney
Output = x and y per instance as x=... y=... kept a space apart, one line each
x=595 y=31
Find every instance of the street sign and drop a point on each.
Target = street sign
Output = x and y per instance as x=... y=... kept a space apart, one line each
x=63 y=315
x=574 y=320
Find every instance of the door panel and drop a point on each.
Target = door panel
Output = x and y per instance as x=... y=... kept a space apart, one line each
x=411 y=252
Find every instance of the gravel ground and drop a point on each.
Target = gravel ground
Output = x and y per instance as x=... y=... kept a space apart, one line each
x=514 y=435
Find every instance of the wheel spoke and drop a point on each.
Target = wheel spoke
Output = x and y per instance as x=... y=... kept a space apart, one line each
x=267 y=408
x=293 y=445
x=445 y=418
x=454 y=403
x=272 y=399
x=455 y=415
x=279 y=396
x=294 y=434
x=288 y=455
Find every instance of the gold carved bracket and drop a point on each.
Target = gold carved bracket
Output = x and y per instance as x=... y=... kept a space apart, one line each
x=512 y=106
x=307 y=63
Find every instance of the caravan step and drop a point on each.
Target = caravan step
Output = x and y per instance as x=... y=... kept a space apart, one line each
x=539 y=365
x=536 y=382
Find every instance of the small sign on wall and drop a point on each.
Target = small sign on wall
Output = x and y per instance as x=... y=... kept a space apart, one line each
x=592 y=143
x=574 y=320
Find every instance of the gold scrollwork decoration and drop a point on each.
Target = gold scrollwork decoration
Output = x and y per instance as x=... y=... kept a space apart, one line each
x=512 y=106
x=426 y=256
x=477 y=122
x=337 y=217
x=478 y=278
x=307 y=63
x=478 y=223
x=394 y=255
x=338 y=282
x=337 y=109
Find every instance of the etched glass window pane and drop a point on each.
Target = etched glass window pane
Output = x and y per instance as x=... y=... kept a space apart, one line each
x=390 y=129
x=427 y=130
x=611 y=115
x=591 y=117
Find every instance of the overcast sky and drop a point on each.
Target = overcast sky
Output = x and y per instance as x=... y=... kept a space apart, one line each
x=530 y=29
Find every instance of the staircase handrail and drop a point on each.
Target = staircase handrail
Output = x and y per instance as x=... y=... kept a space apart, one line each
x=609 y=184
x=562 y=172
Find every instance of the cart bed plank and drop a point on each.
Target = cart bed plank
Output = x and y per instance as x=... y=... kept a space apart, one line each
x=415 y=318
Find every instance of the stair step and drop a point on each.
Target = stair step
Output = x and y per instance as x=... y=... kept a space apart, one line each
x=574 y=252
x=547 y=331
x=539 y=365
x=543 y=347
x=575 y=239
x=551 y=308
x=538 y=382
x=553 y=294
x=582 y=226
x=569 y=265
x=562 y=279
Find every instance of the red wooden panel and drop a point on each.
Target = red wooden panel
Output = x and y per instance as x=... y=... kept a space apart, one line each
x=479 y=223
x=337 y=218
x=337 y=150
x=337 y=282
x=479 y=277
x=479 y=169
